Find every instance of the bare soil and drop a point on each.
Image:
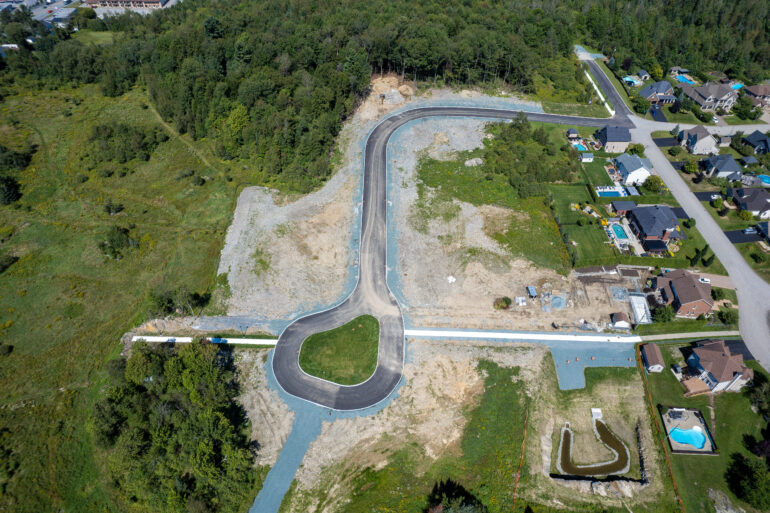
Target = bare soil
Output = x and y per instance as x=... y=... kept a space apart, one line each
x=442 y=379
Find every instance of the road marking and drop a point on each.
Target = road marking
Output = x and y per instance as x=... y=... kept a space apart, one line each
x=214 y=340
x=522 y=336
x=606 y=103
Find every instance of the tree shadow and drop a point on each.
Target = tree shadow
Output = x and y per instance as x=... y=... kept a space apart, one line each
x=449 y=495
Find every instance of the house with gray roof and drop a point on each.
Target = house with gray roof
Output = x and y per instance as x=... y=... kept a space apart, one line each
x=659 y=93
x=749 y=161
x=642 y=74
x=712 y=96
x=722 y=166
x=615 y=139
x=655 y=222
x=760 y=93
x=759 y=141
x=764 y=230
x=633 y=169
x=698 y=141
x=756 y=201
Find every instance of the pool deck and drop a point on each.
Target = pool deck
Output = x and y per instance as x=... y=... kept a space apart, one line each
x=691 y=418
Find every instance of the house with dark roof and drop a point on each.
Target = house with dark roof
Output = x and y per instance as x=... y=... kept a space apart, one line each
x=716 y=366
x=760 y=93
x=759 y=141
x=615 y=139
x=643 y=75
x=623 y=207
x=712 y=96
x=698 y=141
x=686 y=293
x=676 y=71
x=655 y=222
x=722 y=166
x=652 y=357
x=756 y=201
x=658 y=93
x=749 y=161
x=572 y=134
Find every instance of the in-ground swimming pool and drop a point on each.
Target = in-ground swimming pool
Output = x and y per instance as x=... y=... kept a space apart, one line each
x=684 y=80
x=736 y=86
x=693 y=436
x=620 y=233
x=764 y=179
x=579 y=147
x=609 y=194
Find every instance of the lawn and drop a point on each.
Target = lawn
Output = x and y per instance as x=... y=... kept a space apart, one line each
x=762 y=268
x=346 y=355
x=566 y=195
x=595 y=110
x=683 y=326
x=687 y=118
x=734 y=420
x=596 y=173
x=696 y=241
x=64 y=305
x=729 y=222
x=93 y=37
x=732 y=119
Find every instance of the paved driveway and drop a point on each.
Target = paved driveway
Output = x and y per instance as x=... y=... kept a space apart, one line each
x=666 y=141
x=658 y=115
x=737 y=236
x=705 y=195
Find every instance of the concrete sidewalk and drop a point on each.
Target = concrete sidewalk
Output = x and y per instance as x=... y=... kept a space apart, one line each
x=694 y=334
x=214 y=340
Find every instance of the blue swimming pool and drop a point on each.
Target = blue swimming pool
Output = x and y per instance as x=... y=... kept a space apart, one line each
x=736 y=86
x=620 y=233
x=693 y=436
x=764 y=179
x=684 y=80
x=579 y=147
x=609 y=194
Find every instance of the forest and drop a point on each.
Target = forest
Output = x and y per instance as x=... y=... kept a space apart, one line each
x=271 y=82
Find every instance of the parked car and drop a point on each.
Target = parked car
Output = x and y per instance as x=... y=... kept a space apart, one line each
x=715 y=119
x=750 y=230
x=704 y=280
x=715 y=196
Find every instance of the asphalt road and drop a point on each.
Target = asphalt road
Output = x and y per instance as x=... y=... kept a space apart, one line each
x=372 y=296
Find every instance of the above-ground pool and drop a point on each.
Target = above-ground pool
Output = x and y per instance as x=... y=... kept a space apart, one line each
x=579 y=147
x=684 y=80
x=764 y=179
x=693 y=436
x=620 y=233
x=736 y=86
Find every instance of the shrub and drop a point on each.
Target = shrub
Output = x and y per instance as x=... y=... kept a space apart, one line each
x=717 y=294
x=198 y=181
x=749 y=479
x=7 y=261
x=185 y=173
x=502 y=303
x=758 y=257
x=663 y=314
x=728 y=315
x=9 y=190
x=674 y=150
x=113 y=208
x=81 y=178
x=745 y=215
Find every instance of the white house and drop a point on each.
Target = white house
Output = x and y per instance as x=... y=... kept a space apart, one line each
x=699 y=141
x=633 y=170
x=620 y=321
x=586 y=157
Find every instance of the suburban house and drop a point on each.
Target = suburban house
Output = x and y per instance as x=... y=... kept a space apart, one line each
x=572 y=134
x=586 y=157
x=756 y=201
x=643 y=75
x=620 y=321
x=659 y=93
x=623 y=207
x=711 y=96
x=653 y=359
x=685 y=291
x=615 y=139
x=676 y=71
x=698 y=141
x=722 y=166
x=759 y=92
x=759 y=141
x=655 y=223
x=721 y=370
x=633 y=169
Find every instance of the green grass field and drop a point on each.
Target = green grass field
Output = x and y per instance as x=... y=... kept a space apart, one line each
x=595 y=110
x=596 y=173
x=762 y=268
x=346 y=355
x=734 y=420
x=63 y=305
x=93 y=37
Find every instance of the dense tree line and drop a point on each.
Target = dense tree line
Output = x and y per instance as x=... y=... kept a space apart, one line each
x=271 y=81
x=172 y=431
x=119 y=142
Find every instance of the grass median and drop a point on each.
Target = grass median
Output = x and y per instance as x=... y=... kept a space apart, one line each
x=346 y=355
